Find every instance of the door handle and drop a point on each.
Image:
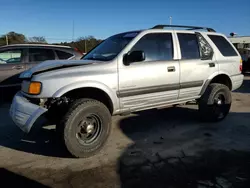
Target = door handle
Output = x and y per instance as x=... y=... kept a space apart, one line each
x=211 y=64
x=171 y=69
x=18 y=67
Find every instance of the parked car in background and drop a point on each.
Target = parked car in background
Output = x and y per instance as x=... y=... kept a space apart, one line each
x=245 y=54
x=17 y=58
x=2 y=61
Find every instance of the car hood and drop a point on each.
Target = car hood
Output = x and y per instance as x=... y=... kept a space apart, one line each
x=55 y=64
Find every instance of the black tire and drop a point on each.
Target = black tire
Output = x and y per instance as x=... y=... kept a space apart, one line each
x=210 y=107
x=78 y=116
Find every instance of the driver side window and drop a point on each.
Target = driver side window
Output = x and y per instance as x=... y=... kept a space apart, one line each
x=156 y=46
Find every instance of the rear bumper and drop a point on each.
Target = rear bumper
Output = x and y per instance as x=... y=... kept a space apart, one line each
x=237 y=81
x=23 y=113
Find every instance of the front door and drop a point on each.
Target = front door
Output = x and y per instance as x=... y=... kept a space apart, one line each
x=11 y=65
x=155 y=80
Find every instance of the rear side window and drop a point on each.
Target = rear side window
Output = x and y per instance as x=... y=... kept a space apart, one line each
x=223 y=45
x=189 y=46
x=63 y=55
x=40 y=54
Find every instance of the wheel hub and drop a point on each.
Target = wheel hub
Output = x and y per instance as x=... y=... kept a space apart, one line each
x=219 y=102
x=88 y=129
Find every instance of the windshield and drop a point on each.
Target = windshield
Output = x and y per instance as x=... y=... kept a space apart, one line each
x=111 y=47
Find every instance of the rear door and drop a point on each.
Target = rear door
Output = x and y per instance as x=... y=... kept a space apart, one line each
x=11 y=65
x=37 y=55
x=197 y=63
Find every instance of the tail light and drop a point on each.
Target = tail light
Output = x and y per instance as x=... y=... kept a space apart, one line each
x=240 y=65
x=77 y=50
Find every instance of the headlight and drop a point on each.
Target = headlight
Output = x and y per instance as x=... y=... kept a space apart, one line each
x=35 y=88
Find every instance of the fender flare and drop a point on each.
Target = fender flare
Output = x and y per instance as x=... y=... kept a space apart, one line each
x=208 y=81
x=93 y=84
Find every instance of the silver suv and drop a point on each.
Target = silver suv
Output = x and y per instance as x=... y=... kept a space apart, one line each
x=128 y=72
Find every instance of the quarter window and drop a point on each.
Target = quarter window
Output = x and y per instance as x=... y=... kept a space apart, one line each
x=63 y=55
x=156 y=46
x=189 y=46
x=206 y=50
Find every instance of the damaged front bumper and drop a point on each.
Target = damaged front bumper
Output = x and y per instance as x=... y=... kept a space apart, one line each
x=23 y=113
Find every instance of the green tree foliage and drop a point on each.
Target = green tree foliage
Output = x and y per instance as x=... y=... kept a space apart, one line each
x=13 y=38
x=84 y=44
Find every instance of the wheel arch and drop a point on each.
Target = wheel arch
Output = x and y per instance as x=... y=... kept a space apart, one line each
x=94 y=90
x=219 y=78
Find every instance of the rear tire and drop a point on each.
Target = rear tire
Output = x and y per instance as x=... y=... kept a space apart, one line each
x=85 y=127
x=215 y=103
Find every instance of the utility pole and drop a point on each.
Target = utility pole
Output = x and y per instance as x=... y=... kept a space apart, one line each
x=73 y=31
x=85 y=45
x=170 y=20
x=7 y=40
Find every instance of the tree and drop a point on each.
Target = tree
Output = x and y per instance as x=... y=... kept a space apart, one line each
x=2 y=40
x=12 y=38
x=16 y=38
x=87 y=43
x=84 y=44
x=37 y=40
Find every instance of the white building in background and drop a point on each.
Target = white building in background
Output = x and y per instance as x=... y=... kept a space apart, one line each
x=240 y=42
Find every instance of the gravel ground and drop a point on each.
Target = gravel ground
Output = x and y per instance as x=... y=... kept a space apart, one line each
x=157 y=148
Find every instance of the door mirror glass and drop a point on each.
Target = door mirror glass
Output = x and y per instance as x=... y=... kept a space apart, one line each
x=134 y=56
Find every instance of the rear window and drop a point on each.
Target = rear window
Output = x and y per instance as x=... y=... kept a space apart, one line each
x=223 y=45
x=63 y=55
x=40 y=54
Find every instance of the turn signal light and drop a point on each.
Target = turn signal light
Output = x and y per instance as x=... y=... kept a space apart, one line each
x=35 y=88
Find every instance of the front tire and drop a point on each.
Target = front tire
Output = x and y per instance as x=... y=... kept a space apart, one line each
x=215 y=103
x=86 y=127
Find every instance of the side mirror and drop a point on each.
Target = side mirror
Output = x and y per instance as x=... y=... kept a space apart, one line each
x=134 y=56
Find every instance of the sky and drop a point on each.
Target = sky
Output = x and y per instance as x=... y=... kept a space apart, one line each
x=54 y=19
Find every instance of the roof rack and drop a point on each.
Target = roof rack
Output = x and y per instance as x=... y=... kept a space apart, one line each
x=183 y=26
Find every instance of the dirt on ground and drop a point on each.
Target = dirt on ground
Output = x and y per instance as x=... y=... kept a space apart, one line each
x=157 y=148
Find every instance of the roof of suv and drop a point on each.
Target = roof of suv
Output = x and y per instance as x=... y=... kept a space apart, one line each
x=172 y=27
x=35 y=45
